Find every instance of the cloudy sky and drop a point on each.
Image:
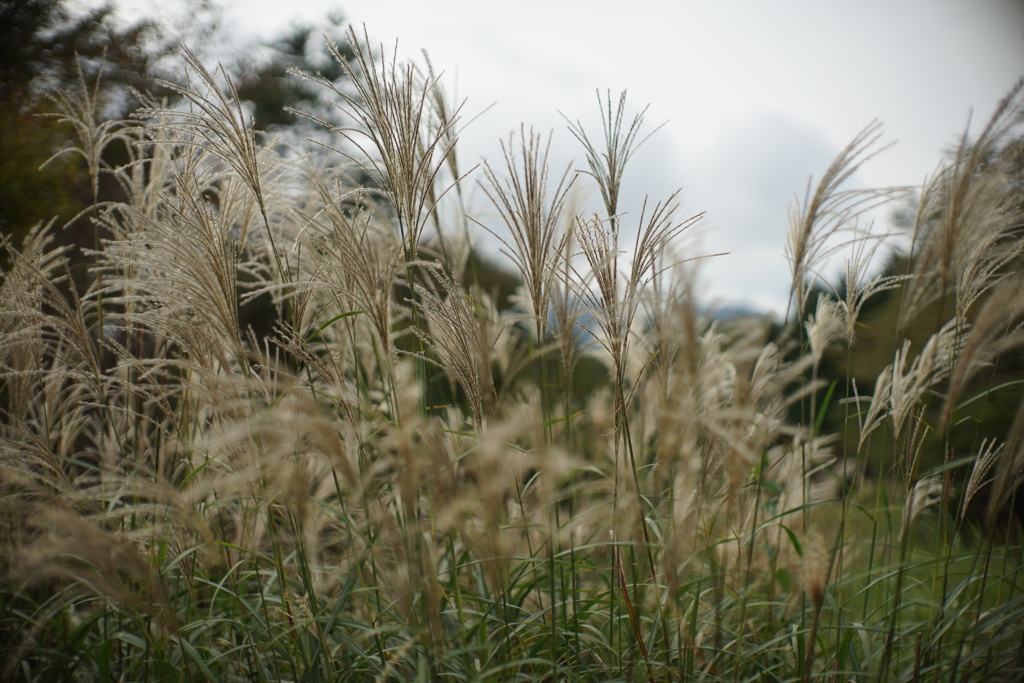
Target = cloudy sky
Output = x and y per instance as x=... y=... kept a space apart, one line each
x=758 y=96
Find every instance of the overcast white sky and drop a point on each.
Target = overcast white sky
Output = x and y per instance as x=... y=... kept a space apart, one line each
x=759 y=96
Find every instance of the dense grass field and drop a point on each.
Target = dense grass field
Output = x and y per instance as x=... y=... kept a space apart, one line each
x=285 y=434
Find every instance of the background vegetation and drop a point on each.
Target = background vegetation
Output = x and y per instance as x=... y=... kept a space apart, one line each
x=267 y=414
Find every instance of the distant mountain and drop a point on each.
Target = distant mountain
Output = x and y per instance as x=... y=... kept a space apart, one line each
x=734 y=311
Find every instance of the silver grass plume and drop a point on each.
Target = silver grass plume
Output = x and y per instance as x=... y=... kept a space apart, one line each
x=403 y=147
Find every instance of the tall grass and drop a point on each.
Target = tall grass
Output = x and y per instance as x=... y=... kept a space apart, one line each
x=402 y=480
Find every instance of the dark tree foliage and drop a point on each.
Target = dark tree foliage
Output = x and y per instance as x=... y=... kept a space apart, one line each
x=992 y=401
x=271 y=90
x=46 y=49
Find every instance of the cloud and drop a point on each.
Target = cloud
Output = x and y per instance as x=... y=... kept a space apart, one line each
x=746 y=179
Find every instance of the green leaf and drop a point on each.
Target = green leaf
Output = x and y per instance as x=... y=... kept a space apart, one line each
x=316 y=333
x=196 y=471
x=824 y=408
x=103 y=661
x=794 y=540
x=195 y=656
x=951 y=465
x=783 y=577
x=968 y=401
x=566 y=418
x=131 y=639
x=173 y=563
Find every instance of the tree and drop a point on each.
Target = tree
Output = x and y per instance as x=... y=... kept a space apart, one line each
x=272 y=91
x=47 y=50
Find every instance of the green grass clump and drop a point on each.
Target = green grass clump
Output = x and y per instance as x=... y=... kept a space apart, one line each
x=400 y=477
